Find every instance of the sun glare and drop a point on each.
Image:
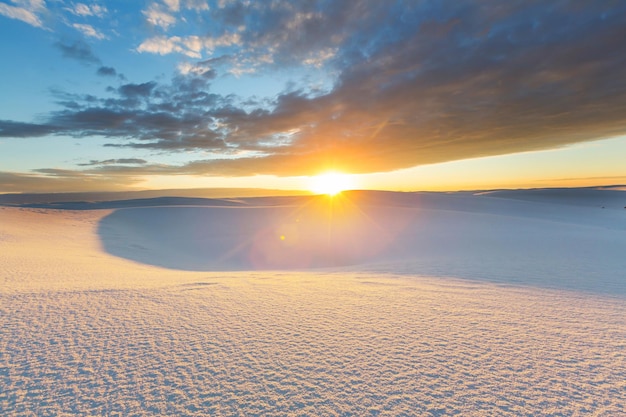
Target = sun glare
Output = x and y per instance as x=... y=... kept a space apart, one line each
x=330 y=183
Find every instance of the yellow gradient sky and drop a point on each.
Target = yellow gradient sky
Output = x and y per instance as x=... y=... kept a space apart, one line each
x=590 y=164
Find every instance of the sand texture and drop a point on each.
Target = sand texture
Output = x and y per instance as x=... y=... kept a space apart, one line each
x=384 y=304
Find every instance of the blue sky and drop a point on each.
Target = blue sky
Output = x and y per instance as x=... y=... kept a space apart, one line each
x=117 y=95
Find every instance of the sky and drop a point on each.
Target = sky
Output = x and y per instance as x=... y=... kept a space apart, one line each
x=401 y=95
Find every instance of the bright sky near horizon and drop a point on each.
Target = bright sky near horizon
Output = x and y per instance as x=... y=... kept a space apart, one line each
x=404 y=95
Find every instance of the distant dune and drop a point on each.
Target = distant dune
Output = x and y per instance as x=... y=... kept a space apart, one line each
x=42 y=198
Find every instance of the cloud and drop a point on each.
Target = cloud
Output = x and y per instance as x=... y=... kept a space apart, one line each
x=107 y=71
x=79 y=51
x=26 y=11
x=151 y=115
x=164 y=14
x=303 y=33
x=191 y=46
x=84 y=10
x=137 y=90
x=197 y=5
x=11 y=129
x=163 y=45
x=88 y=31
x=132 y=161
x=414 y=83
x=173 y=5
x=156 y=16
x=186 y=68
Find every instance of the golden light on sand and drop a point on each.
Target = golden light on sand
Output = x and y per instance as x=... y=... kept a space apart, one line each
x=330 y=183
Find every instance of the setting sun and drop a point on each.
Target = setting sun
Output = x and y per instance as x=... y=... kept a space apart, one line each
x=330 y=183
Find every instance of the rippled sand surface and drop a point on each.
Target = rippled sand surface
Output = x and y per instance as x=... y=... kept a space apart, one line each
x=85 y=332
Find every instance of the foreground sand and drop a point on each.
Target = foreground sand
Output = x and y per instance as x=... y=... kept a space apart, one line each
x=85 y=332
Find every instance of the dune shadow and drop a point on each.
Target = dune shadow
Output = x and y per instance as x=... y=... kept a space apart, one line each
x=244 y=238
x=484 y=245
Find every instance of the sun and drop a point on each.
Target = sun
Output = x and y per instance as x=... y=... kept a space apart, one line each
x=330 y=183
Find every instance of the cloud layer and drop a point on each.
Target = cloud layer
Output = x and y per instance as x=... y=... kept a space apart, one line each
x=414 y=83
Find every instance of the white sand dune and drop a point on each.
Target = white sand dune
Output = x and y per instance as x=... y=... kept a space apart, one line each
x=506 y=303
x=577 y=245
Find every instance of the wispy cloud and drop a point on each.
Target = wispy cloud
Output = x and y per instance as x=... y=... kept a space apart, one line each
x=27 y=11
x=132 y=161
x=163 y=45
x=88 y=31
x=173 y=5
x=191 y=46
x=81 y=9
x=197 y=5
x=156 y=15
x=165 y=14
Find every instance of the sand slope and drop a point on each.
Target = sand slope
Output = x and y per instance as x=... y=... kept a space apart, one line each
x=419 y=304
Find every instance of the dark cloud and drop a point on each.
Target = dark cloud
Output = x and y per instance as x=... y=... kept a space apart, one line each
x=430 y=82
x=416 y=83
x=176 y=116
x=79 y=51
x=11 y=129
x=107 y=71
x=137 y=90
